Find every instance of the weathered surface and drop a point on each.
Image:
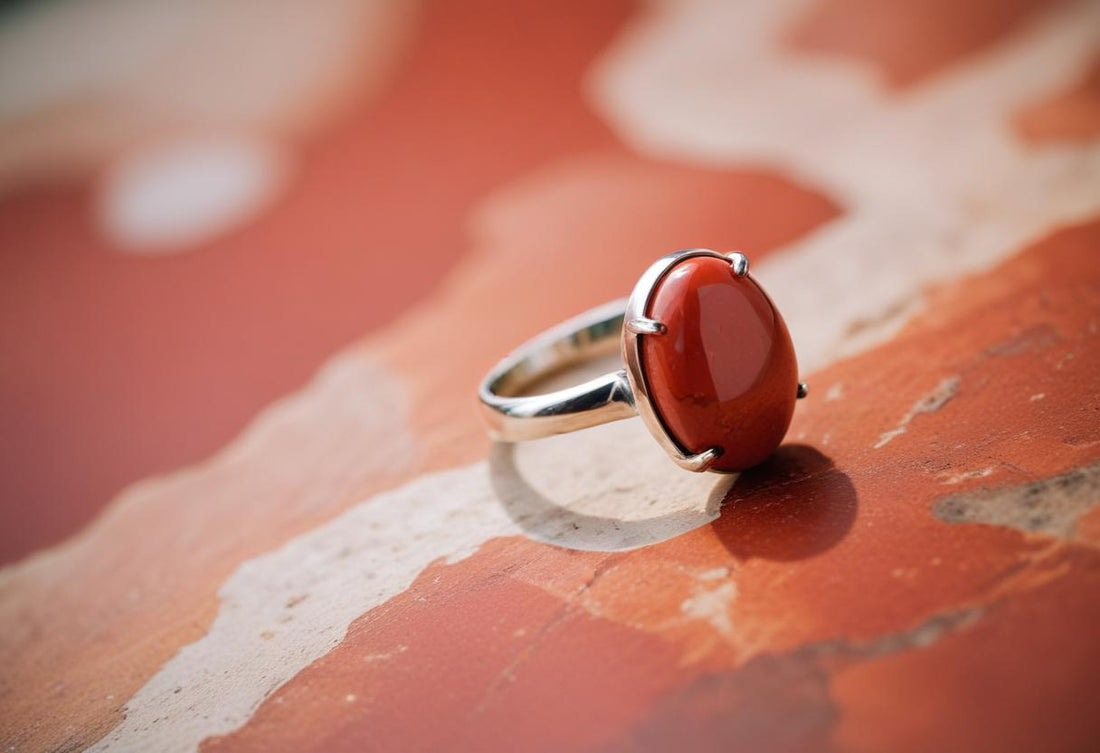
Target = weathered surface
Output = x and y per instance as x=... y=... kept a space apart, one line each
x=361 y=570
x=1051 y=505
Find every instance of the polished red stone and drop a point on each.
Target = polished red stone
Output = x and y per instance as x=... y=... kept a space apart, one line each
x=724 y=375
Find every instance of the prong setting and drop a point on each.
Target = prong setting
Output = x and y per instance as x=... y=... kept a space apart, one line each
x=739 y=262
x=636 y=306
x=701 y=461
x=803 y=390
x=641 y=325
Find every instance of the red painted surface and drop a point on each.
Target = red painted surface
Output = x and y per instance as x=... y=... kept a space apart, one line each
x=724 y=374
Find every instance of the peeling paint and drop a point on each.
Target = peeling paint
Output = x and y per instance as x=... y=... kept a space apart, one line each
x=713 y=605
x=928 y=403
x=1049 y=506
x=950 y=479
x=715 y=573
x=283 y=610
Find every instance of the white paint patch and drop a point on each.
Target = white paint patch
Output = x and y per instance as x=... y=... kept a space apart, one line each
x=716 y=573
x=369 y=554
x=933 y=183
x=385 y=655
x=174 y=195
x=930 y=402
x=950 y=479
x=713 y=606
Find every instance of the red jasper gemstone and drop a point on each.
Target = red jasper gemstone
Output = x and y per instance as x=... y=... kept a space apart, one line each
x=724 y=375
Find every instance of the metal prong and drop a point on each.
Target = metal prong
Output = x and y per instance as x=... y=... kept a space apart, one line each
x=739 y=262
x=803 y=390
x=703 y=460
x=643 y=326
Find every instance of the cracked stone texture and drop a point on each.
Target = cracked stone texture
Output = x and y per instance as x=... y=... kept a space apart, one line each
x=346 y=575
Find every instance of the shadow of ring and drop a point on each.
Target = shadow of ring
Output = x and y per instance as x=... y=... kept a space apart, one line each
x=544 y=520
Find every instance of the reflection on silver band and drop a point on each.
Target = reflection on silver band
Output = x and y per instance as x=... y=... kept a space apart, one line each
x=598 y=401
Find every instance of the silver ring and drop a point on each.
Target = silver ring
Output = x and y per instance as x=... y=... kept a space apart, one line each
x=626 y=323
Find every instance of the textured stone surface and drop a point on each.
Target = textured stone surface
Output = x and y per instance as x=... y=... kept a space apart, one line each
x=361 y=569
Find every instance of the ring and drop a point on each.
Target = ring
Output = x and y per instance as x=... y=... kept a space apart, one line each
x=708 y=364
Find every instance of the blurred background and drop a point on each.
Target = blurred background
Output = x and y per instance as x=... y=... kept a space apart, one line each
x=200 y=202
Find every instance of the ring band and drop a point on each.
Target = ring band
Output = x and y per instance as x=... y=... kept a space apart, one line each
x=721 y=372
